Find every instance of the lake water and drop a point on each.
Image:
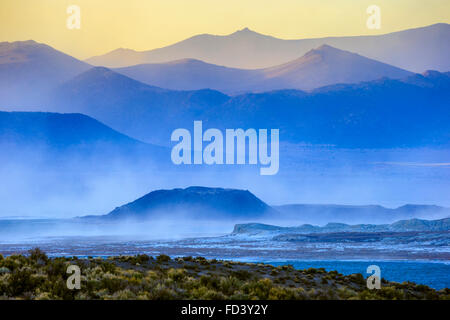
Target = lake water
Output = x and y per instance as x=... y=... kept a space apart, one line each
x=434 y=274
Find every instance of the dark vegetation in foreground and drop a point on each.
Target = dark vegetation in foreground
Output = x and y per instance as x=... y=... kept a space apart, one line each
x=36 y=276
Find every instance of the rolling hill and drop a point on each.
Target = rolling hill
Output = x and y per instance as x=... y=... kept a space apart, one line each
x=417 y=49
x=28 y=70
x=319 y=67
x=192 y=74
x=57 y=130
x=38 y=136
x=326 y=65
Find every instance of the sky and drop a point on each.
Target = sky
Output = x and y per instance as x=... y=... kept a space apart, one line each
x=147 y=24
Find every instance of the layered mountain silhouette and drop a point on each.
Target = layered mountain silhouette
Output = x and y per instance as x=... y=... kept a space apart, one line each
x=194 y=203
x=409 y=112
x=28 y=70
x=319 y=67
x=192 y=74
x=130 y=106
x=342 y=92
x=404 y=112
x=415 y=49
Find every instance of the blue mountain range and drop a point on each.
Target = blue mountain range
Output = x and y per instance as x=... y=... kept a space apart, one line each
x=410 y=112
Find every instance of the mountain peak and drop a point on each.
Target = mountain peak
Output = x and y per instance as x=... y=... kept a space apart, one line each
x=246 y=29
x=34 y=68
x=102 y=77
x=186 y=61
x=246 y=32
x=21 y=51
x=123 y=50
x=326 y=49
x=18 y=43
x=326 y=65
x=97 y=72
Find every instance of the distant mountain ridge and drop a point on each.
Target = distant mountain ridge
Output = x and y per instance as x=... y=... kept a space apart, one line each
x=130 y=106
x=319 y=67
x=399 y=226
x=416 y=49
x=38 y=69
x=359 y=214
x=407 y=112
x=383 y=113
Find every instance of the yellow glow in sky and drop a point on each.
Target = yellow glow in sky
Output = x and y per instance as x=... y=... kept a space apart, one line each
x=147 y=24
